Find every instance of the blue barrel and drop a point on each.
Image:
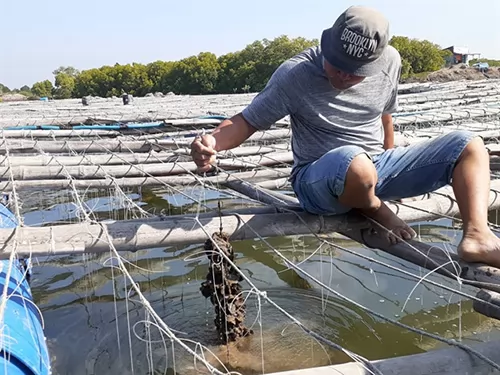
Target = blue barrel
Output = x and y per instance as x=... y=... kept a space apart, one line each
x=23 y=348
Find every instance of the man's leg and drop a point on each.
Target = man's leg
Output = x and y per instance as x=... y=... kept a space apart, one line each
x=460 y=159
x=347 y=178
x=359 y=192
x=343 y=179
x=471 y=184
x=319 y=184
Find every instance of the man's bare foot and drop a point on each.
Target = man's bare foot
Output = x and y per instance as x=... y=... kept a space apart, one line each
x=396 y=229
x=480 y=247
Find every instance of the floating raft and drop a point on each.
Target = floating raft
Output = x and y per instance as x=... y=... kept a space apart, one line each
x=62 y=145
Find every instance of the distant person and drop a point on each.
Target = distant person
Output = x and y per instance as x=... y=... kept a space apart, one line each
x=340 y=97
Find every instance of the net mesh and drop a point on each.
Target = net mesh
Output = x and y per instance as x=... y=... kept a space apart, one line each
x=55 y=178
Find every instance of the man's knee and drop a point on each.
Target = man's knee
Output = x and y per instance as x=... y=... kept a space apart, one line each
x=360 y=181
x=361 y=174
x=466 y=139
x=475 y=146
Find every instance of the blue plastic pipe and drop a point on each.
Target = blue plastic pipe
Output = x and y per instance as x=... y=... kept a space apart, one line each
x=34 y=127
x=146 y=125
x=23 y=347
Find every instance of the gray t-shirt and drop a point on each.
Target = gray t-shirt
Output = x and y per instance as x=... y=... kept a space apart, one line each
x=322 y=117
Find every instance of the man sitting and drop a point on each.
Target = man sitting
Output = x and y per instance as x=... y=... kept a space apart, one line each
x=340 y=97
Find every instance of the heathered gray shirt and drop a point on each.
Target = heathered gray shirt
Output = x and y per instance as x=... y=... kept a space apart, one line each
x=322 y=117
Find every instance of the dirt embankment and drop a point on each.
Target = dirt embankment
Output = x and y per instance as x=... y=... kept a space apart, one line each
x=456 y=73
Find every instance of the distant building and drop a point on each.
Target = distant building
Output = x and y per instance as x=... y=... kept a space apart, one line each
x=461 y=55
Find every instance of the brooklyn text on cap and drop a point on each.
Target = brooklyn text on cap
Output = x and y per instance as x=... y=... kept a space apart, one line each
x=357 y=41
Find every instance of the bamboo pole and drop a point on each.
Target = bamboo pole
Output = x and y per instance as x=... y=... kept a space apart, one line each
x=118 y=145
x=446 y=128
x=263 y=195
x=450 y=115
x=132 y=236
x=493 y=149
x=100 y=146
x=66 y=133
x=29 y=146
x=65 y=120
x=420 y=99
x=276 y=184
x=128 y=157
x=136 y=170
x=86 y=120
x=107 y=183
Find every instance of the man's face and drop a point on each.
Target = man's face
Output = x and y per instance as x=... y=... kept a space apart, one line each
x=339 y=79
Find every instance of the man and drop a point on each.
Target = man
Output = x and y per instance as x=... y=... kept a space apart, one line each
x=340 y=96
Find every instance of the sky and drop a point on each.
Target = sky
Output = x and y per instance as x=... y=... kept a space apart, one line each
x=39 y=36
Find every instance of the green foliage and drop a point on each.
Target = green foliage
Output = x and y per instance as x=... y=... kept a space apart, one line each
x=251 y=68
x=193 y=75
x=4 y=89
x=418 y=56
x=247 y=70
x=242 y=71
x=42 y=89
x=490 y=62
x=65 y=85
x=69 y=70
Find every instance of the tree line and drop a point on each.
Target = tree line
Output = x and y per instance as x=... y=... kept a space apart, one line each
x=243 y=71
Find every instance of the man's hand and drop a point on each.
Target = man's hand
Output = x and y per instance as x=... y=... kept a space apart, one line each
x=229 y=134
x=203 y=152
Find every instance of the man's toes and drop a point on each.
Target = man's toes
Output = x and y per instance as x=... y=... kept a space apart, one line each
x=392 y=238
x=412 y=232
x=407 y=235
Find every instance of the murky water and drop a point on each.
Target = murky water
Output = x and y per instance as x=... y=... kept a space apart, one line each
x=93 y=328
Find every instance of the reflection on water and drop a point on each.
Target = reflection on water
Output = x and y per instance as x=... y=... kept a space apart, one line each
x=93 y=328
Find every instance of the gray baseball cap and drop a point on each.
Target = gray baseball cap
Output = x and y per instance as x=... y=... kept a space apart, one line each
x=357 y=41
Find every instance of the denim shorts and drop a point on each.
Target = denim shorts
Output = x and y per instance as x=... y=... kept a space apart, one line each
x=403 y=172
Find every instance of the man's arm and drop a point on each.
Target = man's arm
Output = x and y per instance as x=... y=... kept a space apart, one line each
x=392 y=104
x=388 y=125
x=232 y=132
x=269 y=106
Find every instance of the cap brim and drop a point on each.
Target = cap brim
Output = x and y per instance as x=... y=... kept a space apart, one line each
x=372 y=68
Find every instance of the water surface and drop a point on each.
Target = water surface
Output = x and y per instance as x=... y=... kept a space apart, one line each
x=96 y=325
